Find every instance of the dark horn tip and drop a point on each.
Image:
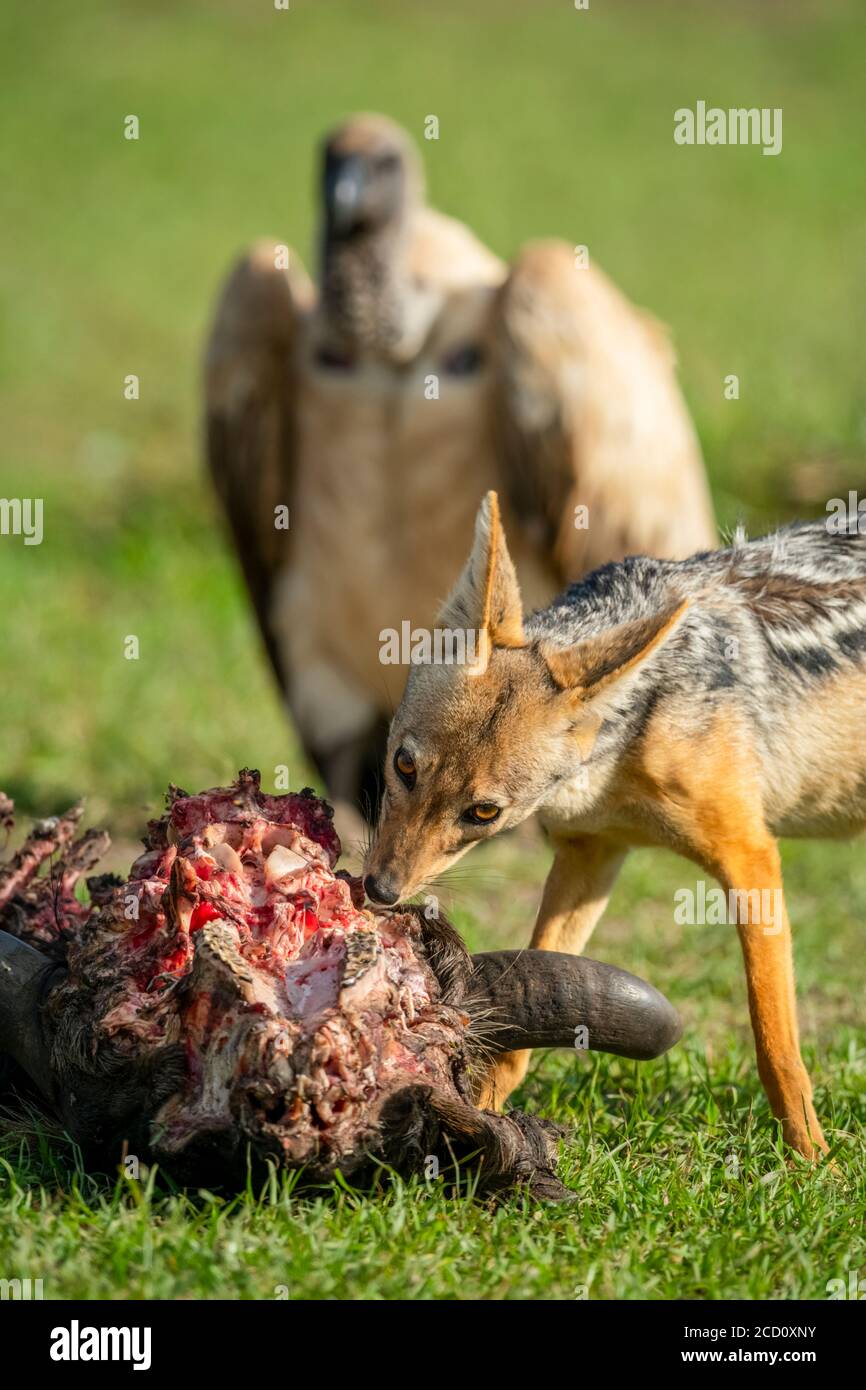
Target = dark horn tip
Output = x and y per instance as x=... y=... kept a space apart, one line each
x=540 y=998
x=662 y=1025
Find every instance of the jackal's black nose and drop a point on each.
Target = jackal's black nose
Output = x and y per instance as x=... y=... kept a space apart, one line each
x=379 y=890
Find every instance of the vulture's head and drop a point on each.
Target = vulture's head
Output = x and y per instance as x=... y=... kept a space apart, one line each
x=372 y=177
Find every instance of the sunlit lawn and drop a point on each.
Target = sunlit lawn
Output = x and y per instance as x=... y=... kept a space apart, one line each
x=551 y=122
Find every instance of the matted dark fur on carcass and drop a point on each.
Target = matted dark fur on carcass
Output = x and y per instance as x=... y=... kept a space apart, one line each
x=232 y=1001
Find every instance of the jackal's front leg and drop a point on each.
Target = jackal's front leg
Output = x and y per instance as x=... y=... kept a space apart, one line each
x=575 y=895
x=765 y=935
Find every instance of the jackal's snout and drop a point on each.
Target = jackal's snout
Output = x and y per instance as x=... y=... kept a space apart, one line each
x=396 y=864
x=380 y=889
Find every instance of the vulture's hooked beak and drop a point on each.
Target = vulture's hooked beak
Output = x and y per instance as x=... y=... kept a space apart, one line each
x=346 y=183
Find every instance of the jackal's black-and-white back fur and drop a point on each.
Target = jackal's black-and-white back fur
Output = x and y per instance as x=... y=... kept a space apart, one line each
x=775 y=627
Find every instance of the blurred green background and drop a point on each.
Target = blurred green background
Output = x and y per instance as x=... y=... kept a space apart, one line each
x=552 y=121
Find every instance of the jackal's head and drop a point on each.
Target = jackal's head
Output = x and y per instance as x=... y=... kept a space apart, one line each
x=478 y=746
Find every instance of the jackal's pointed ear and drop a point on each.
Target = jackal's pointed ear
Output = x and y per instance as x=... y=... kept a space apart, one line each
x=599 y=663
x=486 y=598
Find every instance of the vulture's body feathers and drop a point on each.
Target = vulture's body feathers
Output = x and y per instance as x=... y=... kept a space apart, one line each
x=251 y=428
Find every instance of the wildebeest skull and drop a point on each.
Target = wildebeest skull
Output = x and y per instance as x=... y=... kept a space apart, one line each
x=232 y=999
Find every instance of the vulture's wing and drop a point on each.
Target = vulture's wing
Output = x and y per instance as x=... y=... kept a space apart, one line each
x=249 y=412
x=589 y=414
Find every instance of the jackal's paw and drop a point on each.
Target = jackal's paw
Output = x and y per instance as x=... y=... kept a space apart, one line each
x=806 y=1138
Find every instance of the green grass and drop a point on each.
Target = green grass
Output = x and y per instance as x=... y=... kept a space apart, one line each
x=683 y=1189
x=552 y=122
x=661 y=1212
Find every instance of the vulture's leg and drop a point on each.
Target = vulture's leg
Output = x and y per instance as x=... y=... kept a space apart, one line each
x=352 y=773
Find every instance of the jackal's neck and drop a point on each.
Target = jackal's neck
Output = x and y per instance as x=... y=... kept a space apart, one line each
x=587 y=796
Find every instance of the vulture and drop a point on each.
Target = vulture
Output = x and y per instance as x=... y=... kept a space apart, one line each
x=353 y=424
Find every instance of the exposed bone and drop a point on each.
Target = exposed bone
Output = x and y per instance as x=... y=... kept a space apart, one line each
x=207 y=1015
x=282 y=861
x=227 y=857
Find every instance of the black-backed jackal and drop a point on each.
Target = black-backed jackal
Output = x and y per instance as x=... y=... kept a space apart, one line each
x=708 y=705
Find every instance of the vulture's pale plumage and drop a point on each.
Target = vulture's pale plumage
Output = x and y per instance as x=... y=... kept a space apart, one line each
x=380 y=406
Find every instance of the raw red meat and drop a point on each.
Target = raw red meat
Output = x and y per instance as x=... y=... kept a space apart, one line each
x=232 y=997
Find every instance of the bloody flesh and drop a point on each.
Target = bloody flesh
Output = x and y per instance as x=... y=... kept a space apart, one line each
x=233 y=999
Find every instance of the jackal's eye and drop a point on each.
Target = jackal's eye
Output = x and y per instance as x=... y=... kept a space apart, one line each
x=404 y=766
x=482 y=813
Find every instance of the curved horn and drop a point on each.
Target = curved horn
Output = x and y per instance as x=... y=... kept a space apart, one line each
x=24 y=973
x=541 y=997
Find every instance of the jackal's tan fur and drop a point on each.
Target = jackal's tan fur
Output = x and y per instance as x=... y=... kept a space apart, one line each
x=708 y=705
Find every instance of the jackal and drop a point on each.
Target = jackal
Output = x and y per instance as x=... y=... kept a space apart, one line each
x=708 y=705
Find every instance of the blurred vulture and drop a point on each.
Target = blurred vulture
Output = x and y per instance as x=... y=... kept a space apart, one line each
x=374 y=410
